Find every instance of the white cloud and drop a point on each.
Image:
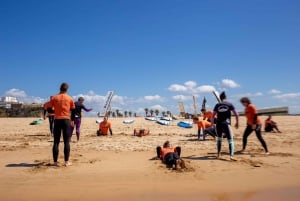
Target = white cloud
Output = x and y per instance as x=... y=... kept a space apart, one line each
x=191 y=88
x=274 y=91
x=190 y=84
x=178 y=88
x=154 y=98
x=288 y=96
x=23 y=97
x=182 y=97
x=158 y=107
x=257 y=94
x=16 y=93
x=227 y=83
x=205 y=89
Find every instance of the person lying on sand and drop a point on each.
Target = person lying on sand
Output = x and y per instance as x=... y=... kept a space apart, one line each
x=205 y=127
x=270 y=125
x=170 y=156
x=104 y=127
x=141 y=132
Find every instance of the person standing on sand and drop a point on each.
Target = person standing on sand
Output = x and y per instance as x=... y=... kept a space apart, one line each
x=223 y=123
x=79 y=106
x=49 y=112
x=253 y=124
x=104 y=127
x=64 y=116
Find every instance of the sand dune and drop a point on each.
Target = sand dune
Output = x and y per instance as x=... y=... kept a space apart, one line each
x=121 y=166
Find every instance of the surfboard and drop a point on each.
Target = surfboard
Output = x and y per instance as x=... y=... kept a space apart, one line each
x=128 y=121
x=185 y=124
x=163 y=122
x=98 y=121
x=151 y=118
x=217 y=95
x=36 y=122
x=167 y=118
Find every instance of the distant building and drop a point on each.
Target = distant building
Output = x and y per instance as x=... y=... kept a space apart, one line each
x=8 y=101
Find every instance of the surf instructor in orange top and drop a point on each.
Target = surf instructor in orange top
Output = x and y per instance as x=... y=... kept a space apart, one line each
x=253 y=124
x=64 y=115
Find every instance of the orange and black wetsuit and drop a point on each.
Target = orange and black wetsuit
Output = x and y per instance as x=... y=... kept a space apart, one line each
x=104 y=127
x=253 y=119
x=168 y=155
x=64 y=112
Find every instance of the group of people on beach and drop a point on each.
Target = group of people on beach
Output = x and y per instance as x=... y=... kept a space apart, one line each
x=64 y=115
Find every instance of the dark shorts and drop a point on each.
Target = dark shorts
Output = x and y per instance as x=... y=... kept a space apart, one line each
x=171 y=158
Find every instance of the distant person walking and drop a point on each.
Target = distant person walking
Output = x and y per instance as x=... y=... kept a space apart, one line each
x=79 y=106
x=223 y=123
x=49 y=112
x=253 y=124
x=64 y=116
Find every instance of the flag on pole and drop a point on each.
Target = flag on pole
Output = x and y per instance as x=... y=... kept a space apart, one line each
x=204 y=103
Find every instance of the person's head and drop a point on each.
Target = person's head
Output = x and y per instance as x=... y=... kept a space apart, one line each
x=81 y=99
x=203 y=110
x=64 y=88
x=245 y=101
x=166 y=144
x=105 y=119
x=223 y=96
x=195 y=119
x=270 y=117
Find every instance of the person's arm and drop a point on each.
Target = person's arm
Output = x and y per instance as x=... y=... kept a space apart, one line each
x=213 y=116
x=236 y=114
x=85 y=109
x=45 y=112
x=110 y=130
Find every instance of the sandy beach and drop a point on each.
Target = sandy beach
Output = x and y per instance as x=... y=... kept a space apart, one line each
x=121 y=167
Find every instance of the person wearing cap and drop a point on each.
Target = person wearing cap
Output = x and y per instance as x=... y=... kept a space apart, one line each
x=254 y=123
x=223 y=123
x=79 y=106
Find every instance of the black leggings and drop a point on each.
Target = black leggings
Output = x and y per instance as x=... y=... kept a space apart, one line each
x=64 y=126
x=248 y=131
x=51 y=123
x=158 y=151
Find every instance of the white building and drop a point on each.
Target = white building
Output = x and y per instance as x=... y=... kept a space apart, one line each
x=7 y=101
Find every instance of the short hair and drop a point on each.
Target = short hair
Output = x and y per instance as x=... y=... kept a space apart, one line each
x=196 y=118
x=64 y=87
x=80 y=99
x=223 y=95
x=245 y=100
x=203 y=110
x=166 y=144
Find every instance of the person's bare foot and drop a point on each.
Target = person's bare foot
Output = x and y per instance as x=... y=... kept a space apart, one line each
x=267 y=153
x=55 y=164
x=67 y=164
x=232 y=158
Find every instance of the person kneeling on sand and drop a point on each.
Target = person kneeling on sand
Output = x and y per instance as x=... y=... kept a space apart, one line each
x=205 y=127
x=104 y=127
x=141 y=132
x=270 y=125
x=170 y=156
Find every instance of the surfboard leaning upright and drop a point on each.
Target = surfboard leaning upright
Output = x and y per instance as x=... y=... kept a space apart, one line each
x=217 y=95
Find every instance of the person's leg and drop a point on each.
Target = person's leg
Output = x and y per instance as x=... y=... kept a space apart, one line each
x=51 y=123
x=78 y=125
x=57 y=134
x=247 y=132
x=199 y=133
x=178 y=151
x=219 y=138
x=276 y=128
x=210 y=131
x=66 y=136
x=260 y=138
x=158 y=151
x=229 y=135
x=268 y=128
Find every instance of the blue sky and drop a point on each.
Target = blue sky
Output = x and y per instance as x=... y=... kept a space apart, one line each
x=152 y=53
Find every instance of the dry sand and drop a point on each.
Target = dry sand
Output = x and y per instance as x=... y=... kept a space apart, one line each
x=120 y=167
